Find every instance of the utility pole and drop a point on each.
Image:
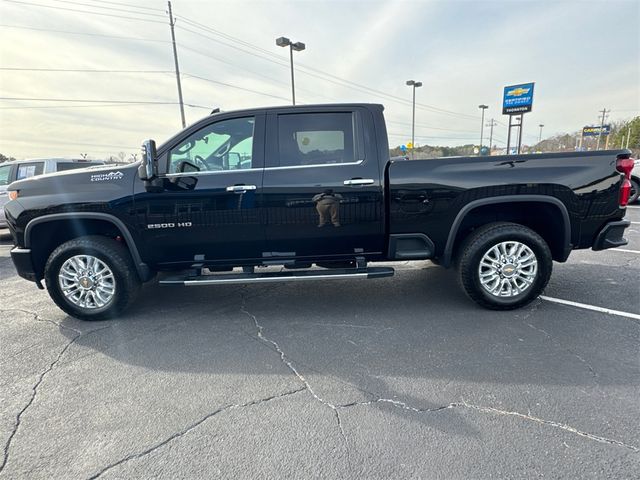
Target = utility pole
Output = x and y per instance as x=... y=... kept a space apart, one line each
x=483 y=108
x=604 y=112
x=540 y=137
x=491 y=124
x=175 y=58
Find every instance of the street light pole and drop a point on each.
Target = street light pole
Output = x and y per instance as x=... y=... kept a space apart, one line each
x=415 y=85
x=540 y=137
x=483 y=108
x=298 y=47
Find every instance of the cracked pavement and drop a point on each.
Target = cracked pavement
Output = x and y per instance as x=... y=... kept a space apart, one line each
x=401 y=377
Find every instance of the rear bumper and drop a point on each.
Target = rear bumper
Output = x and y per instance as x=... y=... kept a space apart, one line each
x=21 y=258
x=611 y=235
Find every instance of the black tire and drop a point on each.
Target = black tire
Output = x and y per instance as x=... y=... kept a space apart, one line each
x=480 y=242
x=115 y=256
x=635 y=191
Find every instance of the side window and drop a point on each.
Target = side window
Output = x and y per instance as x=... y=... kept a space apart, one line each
x=224 y=145
x=26 y=170
x=4 y=174
x=316 y=138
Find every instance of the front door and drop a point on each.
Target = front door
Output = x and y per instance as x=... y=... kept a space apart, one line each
x=210 y=209
x=322 y=190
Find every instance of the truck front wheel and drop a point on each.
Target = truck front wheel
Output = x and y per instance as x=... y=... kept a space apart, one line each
x=504 y=266
x=91 y=278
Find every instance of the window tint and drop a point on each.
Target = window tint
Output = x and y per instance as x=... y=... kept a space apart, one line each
x=4 y=174
x=316 y=138
x=26 y=170
x=225 y=145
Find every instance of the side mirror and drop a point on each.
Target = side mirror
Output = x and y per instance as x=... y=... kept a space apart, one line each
x=148 y=169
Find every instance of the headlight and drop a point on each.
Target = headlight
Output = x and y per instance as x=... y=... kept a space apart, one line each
x=13 y=194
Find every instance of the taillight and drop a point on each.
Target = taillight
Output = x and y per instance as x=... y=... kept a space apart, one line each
x=624 y=165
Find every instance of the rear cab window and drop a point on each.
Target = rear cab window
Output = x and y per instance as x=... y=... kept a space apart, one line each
x=31 y=169
x=317 y=139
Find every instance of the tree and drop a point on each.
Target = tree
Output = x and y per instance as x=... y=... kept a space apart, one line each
x=4 y=158
x=631 y=129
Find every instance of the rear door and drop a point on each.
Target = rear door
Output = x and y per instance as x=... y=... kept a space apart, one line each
x=322 y=189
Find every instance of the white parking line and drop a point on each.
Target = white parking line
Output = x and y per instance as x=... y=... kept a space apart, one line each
x=591 y=307
x=634 y=207
x=624 y=250
x=635 y=223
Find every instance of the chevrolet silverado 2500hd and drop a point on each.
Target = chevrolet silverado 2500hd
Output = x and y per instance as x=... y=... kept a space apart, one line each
x=305 y=185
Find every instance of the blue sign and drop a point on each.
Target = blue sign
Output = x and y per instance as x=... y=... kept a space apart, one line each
x=517 y=99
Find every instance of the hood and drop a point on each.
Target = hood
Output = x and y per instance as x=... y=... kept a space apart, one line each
x=91 y=174
x=98 y=181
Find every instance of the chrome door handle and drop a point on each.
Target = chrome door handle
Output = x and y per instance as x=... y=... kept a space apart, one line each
x=240 y=188
x=359 y=181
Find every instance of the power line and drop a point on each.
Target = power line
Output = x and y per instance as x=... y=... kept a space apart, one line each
x=132 y=6
x=430 y=127
x=80 y=70
x=234 y=86
x=77 y=100
x=47 y=107
x=84 y=33
x=312 y=71
x=83 y=11
x=266 y=77
x=108 y=8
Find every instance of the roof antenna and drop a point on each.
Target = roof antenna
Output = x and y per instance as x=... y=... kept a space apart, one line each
x=215 y=110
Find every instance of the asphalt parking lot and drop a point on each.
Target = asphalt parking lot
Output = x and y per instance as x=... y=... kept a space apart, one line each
x=394 y=378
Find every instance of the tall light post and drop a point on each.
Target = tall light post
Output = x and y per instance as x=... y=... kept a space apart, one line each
x=414 y=84
x=483 y=108
x=540 y=137
x=298 y=47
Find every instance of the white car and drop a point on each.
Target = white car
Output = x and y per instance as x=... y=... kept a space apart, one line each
x=21 y=169
x=635 y=182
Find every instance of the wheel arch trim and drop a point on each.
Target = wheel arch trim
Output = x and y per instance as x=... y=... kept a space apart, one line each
x=464 y=211
x=142 y=268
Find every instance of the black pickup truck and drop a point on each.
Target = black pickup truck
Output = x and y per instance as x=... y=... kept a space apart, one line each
x=304 y=186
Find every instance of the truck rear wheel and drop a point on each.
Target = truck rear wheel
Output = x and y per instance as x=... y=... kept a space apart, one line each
x=91 y=278
x=503 y=266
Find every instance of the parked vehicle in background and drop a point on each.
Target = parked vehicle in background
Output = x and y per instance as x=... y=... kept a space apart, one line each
x=22 y=169
x=635 y=183
x=303 y=185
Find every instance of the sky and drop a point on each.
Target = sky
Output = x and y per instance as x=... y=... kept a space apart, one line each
x=582 y=55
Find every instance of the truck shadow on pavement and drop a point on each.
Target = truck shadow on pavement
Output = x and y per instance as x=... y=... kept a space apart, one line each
x=411 y=344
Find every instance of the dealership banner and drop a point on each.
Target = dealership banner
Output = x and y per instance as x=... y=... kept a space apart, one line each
x=594 y=131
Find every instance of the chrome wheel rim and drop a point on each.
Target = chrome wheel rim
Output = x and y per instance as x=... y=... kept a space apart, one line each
x=87 y=282
x=507 y=269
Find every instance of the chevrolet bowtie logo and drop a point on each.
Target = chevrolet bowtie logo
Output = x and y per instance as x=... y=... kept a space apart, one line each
x=518 y=92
